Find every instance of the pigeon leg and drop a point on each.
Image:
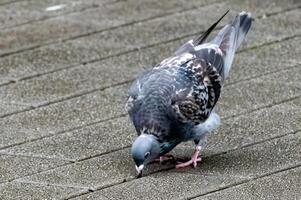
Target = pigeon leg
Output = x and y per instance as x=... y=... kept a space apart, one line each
x=193 y=161
x=195 y=157
x=203 y=129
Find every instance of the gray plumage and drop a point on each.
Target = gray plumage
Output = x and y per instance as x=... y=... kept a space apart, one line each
x=174 y=101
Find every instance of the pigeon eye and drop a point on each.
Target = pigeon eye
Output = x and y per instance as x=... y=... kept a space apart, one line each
x=146 y=154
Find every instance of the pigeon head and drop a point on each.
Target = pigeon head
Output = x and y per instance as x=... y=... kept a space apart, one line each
x=145 y=149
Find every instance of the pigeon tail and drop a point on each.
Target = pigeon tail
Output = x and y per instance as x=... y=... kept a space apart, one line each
x=230 y=38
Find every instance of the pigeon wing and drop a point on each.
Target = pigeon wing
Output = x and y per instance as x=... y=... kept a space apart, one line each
x=134 y=101
x=193 y=102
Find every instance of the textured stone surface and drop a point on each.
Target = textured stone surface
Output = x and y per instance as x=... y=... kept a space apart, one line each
x=104 y=44
x=65 y=83
x=10 y=107
x=63 y=116
x=262 y=91
x=85 y=22
x=97 y=172
x=24 y=191
x=285 y=185
x=221 y=171
x=23 y=12
x=264 y=60
x=64 y=133
x=86 y=142
x=13 y=167
x=178 y=185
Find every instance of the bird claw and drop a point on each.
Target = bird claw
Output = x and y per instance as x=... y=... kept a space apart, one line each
x=193 y=162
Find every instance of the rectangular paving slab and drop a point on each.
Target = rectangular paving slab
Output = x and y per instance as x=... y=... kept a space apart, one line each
x=3 y=2
x=59 y=117
x=283 y=185
x=259 y=92
x=214 y=173
x=25 y=191
x=9 y=107
x=82 y=143
x=166 y=185
x=12 y=167
x=22 y=12
x=101 y=18
x=101 y=171
x=264 y=60
x=104 y=44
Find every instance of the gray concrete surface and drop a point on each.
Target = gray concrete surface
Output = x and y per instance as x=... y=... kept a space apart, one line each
x=283 y=185
x=63 y=80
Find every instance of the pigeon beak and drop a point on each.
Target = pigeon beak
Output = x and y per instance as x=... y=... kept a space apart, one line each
x=139 y=170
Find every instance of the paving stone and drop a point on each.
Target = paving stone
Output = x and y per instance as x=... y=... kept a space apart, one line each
x=3 y=2
x=79 y=144
x=12 y=167
x=104 y=44
x=220 y=171
x=167 y=185
x=7 y=108
x=266 y=59
x=283 y=185
x=22 y=12
x=263 y=8
x=279 y=25
x=77 y=80
x=103 y=74
x=259 y=92
x=62 y=116
x=94 y=173
x=24 y=191
x=103 y=17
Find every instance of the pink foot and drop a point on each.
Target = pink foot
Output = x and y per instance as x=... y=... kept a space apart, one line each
x=193 y=161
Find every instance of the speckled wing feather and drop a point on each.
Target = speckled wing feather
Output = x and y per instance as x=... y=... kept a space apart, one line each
x=195 y=81
x=193 y=103
x=134 y=101
x=195 y=77
x=209 y=69
x=153 y=88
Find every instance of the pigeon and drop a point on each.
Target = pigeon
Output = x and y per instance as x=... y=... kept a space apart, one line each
x=175 y=101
